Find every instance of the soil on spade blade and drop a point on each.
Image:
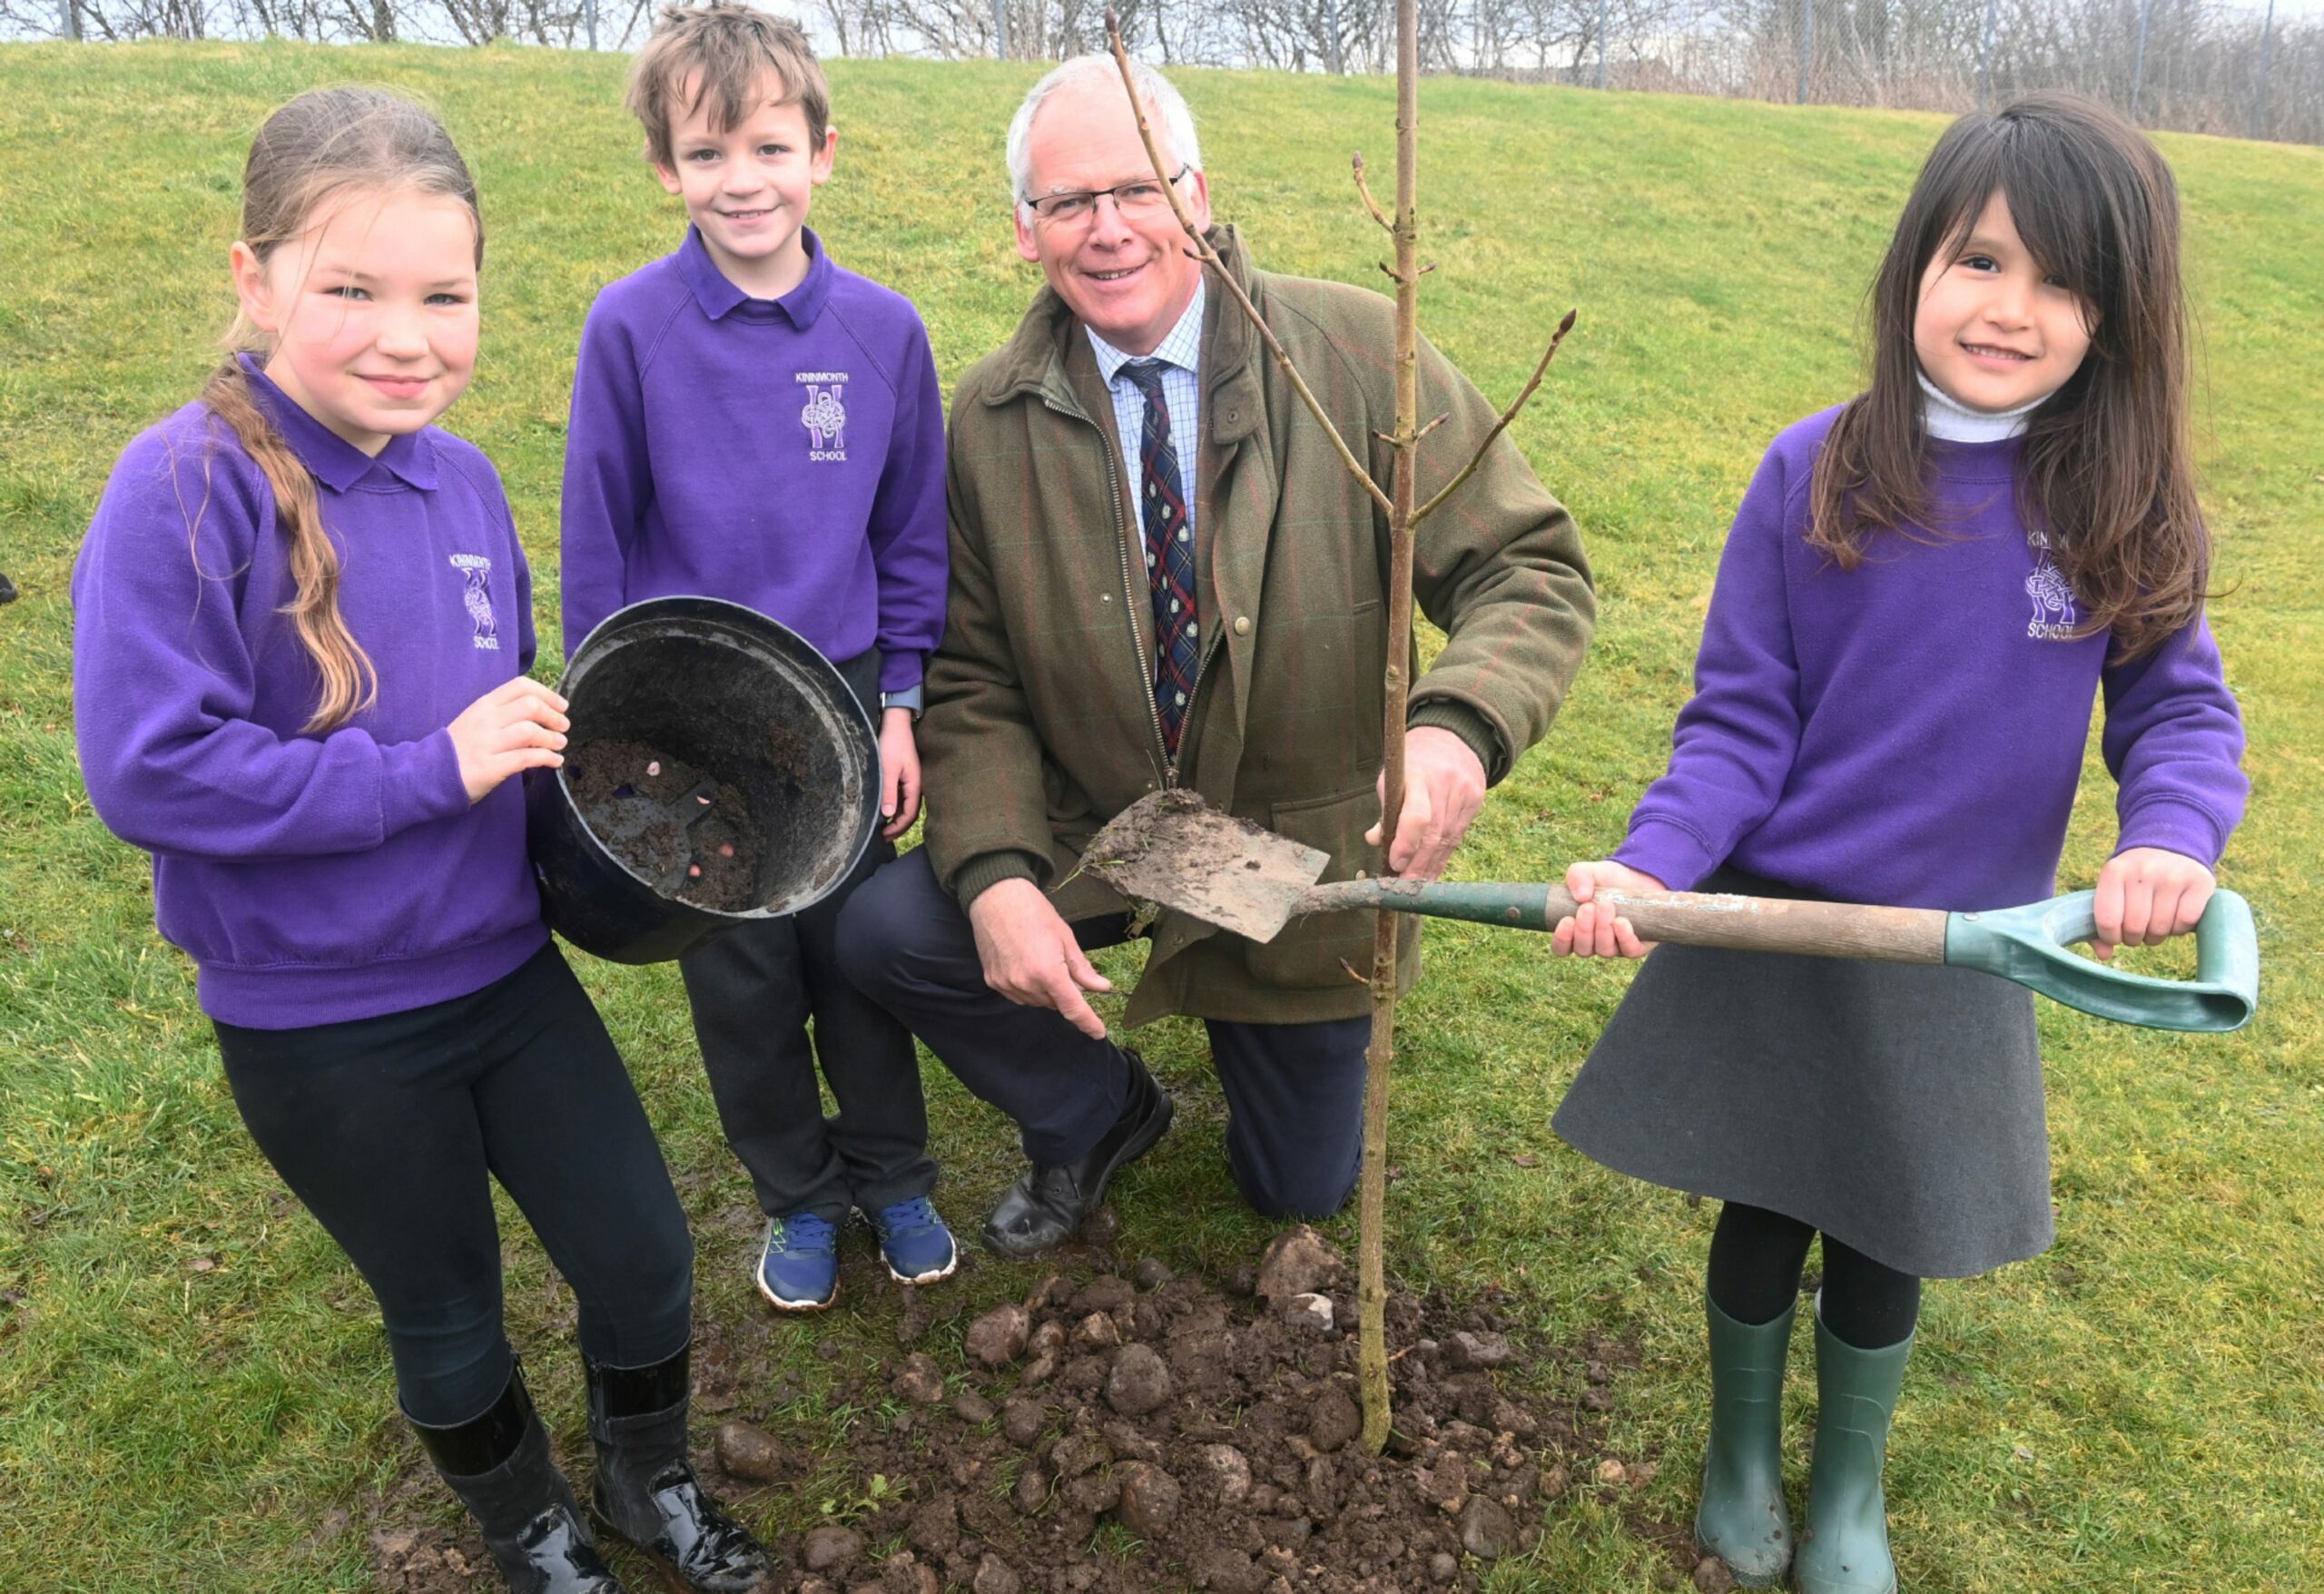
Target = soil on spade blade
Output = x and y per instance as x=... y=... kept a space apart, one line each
x=1130 y=1432
x=693 y=838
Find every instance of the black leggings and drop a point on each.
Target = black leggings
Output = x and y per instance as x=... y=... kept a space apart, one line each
x=1756 y=1257
x=390 y=1130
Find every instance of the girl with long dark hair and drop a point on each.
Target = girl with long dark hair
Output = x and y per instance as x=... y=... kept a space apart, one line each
x=1923 y=591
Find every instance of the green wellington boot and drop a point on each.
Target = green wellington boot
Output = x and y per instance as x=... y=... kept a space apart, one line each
x=1742 y=1520
x=1845 y=1550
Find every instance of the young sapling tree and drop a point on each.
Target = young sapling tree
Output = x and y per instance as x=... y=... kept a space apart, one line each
x=1398 y=502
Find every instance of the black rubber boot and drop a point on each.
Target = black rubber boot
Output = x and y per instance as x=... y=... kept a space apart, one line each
x=501 y=1467
x=646 y=1494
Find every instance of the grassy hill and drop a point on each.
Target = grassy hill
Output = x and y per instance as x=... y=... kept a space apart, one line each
x=190 y=1378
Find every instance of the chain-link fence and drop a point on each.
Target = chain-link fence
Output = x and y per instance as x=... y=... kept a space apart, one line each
x=2176 y=63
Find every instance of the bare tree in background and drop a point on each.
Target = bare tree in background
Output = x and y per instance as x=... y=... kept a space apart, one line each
x=2218 y=67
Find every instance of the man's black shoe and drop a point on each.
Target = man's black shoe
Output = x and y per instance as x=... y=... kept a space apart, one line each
x=1043 y=1209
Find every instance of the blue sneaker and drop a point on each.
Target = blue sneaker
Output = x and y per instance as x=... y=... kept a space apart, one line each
x=799 y=1268
x=914 y=1243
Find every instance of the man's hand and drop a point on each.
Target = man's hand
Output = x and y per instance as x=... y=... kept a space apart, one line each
x=1031 y=957
x=1594 y=931
x=899 y=773
x=2146 y=896
x=1445 y=785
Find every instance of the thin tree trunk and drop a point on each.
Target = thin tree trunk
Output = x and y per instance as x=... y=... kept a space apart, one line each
x=1403 y=441
x=1371 y=1287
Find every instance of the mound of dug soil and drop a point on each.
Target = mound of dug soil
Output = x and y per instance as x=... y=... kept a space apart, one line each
x=1139 y=1434
x=1222 y=1439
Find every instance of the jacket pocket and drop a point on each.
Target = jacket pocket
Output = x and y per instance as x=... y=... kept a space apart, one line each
x=1310 y=950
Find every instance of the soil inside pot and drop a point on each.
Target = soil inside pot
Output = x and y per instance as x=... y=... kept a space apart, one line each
x=692 y=837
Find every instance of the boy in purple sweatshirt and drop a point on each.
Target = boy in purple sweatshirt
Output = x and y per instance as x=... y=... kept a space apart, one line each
x=752 y=422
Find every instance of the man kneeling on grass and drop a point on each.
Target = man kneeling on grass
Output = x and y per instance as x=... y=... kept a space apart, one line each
x=1162 y=574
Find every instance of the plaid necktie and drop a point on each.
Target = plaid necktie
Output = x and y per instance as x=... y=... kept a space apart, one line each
x=1169 y=555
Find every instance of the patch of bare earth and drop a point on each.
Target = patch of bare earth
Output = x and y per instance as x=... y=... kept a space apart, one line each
x=1132 y=1432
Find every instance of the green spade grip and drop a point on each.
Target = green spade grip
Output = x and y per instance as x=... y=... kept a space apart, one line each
x=2029 y=945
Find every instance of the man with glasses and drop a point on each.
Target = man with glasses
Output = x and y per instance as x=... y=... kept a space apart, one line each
x=1163 y=576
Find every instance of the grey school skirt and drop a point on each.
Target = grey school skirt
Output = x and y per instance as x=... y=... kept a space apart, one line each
x=1896 y=1107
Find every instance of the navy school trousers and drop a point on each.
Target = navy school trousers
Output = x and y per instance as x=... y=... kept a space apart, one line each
x=1295 y=1092
x=754 y=989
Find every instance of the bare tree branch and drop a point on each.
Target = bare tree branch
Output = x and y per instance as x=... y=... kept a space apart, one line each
x=1499 y=427
x=1371 y=204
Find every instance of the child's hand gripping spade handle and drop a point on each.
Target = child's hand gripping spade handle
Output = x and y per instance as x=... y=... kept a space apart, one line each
x=2028 y=945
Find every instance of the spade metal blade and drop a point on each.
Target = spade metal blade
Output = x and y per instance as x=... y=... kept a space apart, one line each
x=1173 y=850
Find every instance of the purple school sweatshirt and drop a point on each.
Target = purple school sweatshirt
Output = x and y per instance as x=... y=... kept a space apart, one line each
x=1911 y=731
x=785 y=453
x=312 y=878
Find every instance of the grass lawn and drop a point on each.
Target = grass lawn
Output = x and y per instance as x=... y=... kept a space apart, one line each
x=190 y=1378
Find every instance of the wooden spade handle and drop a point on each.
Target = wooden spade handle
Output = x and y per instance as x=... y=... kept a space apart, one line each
x=1690 y=919
x=1774 y=924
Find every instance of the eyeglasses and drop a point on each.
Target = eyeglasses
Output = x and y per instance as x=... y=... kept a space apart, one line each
x=1142 y=197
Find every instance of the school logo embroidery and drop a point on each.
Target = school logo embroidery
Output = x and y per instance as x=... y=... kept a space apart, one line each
x=475 y=571
x=824 y=416
x=2054 y=614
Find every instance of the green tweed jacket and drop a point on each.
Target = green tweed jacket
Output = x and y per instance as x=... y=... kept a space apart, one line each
x=1039 y=724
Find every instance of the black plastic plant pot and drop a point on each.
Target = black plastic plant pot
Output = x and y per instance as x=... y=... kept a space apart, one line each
x=751 y=711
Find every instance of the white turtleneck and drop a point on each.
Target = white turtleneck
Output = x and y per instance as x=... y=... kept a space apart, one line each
x=1955 y=422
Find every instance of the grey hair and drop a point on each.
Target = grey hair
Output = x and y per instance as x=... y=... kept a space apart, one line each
x=1163 y=102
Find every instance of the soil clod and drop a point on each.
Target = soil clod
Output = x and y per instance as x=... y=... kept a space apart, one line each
x=1299 y=1262
x=1310 y=1312
x=749 y=1453
x=1227 y=1472
x=1078 y=1453
x=1333 y=1420
x=1480 y=1350
x=1139 y=1383
x=1227 y=1572
x=1022 y=1422
x=1487 y=1531
x=1149 y=1498
x=830 y=1549
x=999 y=1337
x=920 y=1381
